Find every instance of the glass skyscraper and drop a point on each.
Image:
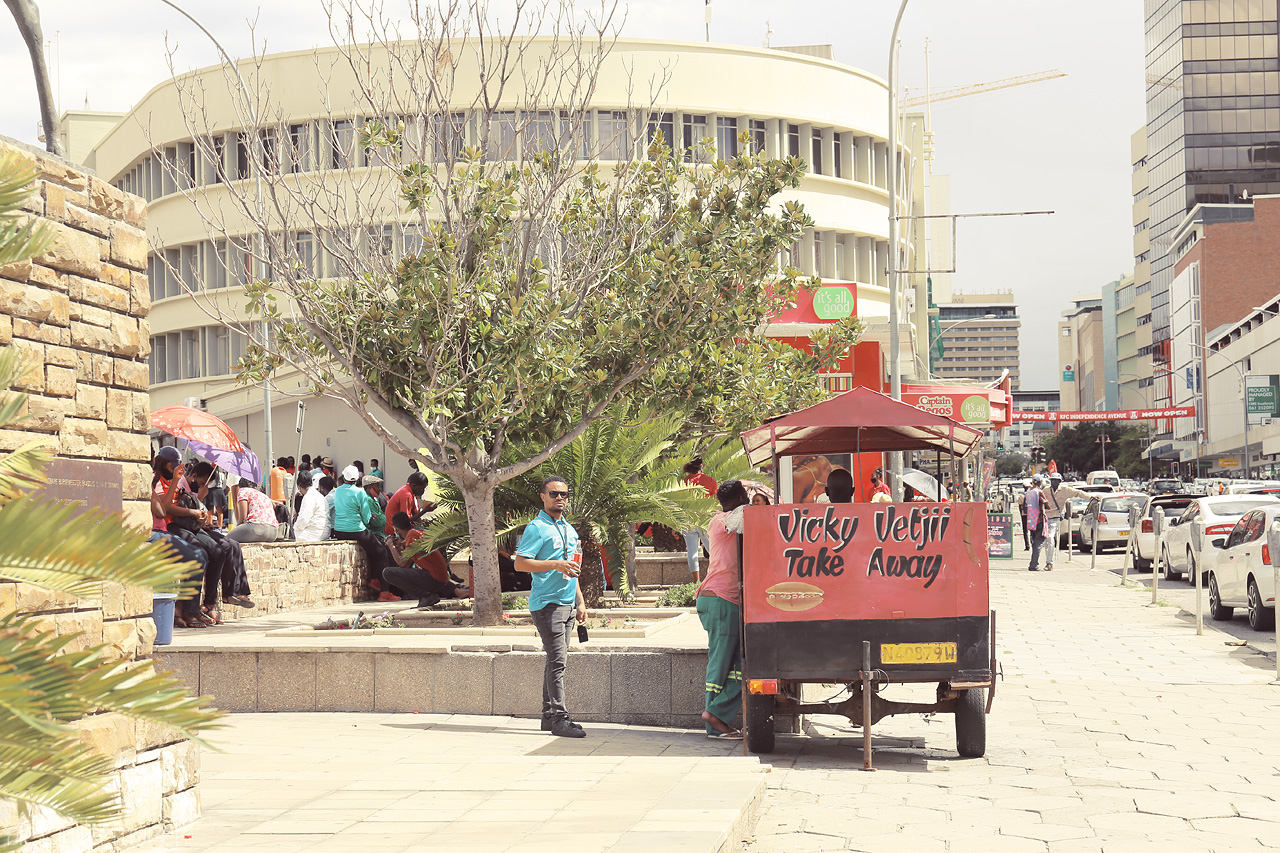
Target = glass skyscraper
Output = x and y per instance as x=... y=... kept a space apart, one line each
x=1213 y=126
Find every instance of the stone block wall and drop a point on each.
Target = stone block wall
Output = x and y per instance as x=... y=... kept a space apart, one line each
x=288 y=576
x=80 y=312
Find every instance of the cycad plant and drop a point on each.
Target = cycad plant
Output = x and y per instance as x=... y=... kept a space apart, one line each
x=621 y=472
x=45 y=685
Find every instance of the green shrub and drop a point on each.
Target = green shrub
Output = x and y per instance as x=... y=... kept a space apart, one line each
x=511 y=601
x=678 y=596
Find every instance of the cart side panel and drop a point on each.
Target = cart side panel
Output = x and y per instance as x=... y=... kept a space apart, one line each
x=831 y=650
x=832 y=562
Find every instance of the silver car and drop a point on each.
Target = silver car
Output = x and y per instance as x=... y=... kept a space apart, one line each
x=1218 y=514
x=1107 y=520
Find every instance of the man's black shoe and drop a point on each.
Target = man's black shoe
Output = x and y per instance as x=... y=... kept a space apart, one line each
x=428 y=601
x=567 y=728
x=547 y=723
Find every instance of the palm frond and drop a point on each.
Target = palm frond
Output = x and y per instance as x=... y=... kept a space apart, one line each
x=66 y=548
x=13 y=366
x=21 y=237
x=23 y=470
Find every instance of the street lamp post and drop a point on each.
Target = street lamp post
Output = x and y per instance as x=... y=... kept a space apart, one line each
x=1103 y=439
x=259 y=166
x=1244 y=399
x=895 y=361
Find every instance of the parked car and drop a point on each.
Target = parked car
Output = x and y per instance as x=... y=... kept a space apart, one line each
x=1145 y=541
x=1218 y=514
x=1243 y=575
x=1253 y=487
x=1096 y=488
x=1165 y=487
x=1106 y=519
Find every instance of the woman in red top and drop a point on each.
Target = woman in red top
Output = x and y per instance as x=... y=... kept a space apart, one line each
x=696 y=539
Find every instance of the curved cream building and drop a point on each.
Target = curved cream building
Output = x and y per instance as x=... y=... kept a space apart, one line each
x=791 y=102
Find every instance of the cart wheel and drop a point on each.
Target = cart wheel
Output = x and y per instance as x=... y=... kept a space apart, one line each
x=971 y=723
x=759 y=723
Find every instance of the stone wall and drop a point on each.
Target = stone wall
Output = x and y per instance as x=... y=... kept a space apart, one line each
x=80 y=312
x=287 y=576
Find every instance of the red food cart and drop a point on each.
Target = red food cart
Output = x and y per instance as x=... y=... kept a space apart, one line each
x=865 y=595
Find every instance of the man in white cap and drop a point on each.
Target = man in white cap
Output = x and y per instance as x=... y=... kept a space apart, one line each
x=1035 y=520
x=1055 y=502
x=351 y=516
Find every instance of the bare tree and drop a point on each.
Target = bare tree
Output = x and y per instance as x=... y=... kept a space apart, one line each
x=462 y=249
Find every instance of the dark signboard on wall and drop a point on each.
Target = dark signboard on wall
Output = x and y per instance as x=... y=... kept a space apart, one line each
x=1000 y=536
x=90 y=484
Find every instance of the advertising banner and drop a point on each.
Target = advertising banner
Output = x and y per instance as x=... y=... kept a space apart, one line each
x=823 y=562
x=965 y=408
x=1118 y=415
x=1000 y=536
x=1262 y=396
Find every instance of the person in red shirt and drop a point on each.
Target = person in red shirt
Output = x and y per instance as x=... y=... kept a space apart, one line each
x=408 y=499
x=423 y=575
x=878 y=485
x=696 y=539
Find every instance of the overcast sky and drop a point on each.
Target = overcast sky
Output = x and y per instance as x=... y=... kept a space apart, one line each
x=1060 y=145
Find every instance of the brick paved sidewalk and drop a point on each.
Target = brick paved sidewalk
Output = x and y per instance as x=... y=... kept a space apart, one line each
x=1114 y=729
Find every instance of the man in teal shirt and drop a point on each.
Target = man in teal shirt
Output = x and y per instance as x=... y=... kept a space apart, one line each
x=351 y=517
x=551 y=552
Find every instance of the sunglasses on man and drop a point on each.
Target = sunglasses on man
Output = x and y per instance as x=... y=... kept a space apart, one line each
x=555 y=495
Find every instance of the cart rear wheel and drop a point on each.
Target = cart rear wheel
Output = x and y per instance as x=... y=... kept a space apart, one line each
x=971 y=723
x=759 y=723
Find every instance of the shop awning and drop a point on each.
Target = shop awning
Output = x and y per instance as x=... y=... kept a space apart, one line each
x=860 y=420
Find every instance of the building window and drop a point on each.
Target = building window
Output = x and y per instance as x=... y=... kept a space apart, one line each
x=342 y=141
x=300 y=148
x=816 y=147
x=793 y=140
x=695 y=130
x=664 y=123
x=726 y=137
x=757 y=129
x=613 y=133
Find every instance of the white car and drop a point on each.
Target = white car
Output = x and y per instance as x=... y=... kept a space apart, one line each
x=1107 y=520
x=1145 y=541
x=1244 y=575
x=1218 y=514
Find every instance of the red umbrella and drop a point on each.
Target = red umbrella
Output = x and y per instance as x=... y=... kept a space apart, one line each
x=195 y=425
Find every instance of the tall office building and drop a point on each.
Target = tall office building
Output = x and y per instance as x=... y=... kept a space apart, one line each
x=979 y=336
x=1213 y=128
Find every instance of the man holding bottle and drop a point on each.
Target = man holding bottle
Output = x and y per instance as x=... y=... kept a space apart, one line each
x=552 y=553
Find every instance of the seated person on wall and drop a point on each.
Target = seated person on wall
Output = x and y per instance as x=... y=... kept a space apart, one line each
x=425 y=576
x=235 y=580
x=255 y=515
x=378 y=521
x=326 y=485
x=511 y=580
x=313 y=514
x=188 y=614
x=351 y=516
x=409 y=500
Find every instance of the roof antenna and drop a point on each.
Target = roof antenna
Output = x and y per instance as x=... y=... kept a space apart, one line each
x=768 y=33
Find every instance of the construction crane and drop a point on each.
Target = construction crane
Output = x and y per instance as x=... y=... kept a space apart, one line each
x=1168 y=81
x=980 y=88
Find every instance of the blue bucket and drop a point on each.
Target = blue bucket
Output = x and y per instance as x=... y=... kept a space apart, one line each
x=162 y=605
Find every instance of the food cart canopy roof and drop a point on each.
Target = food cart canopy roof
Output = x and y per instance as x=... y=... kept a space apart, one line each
x=858 y=420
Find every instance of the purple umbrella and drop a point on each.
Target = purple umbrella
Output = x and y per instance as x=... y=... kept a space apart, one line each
x=240 y=463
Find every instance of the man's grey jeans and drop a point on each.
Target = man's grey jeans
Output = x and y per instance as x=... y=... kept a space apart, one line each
x=1051 y=540
x=554 y=622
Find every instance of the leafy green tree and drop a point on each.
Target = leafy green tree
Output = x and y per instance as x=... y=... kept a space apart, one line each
x=620 y=472
x=1078 y=449
x=45 y=685
x=1011 y=464
x=542 y=287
